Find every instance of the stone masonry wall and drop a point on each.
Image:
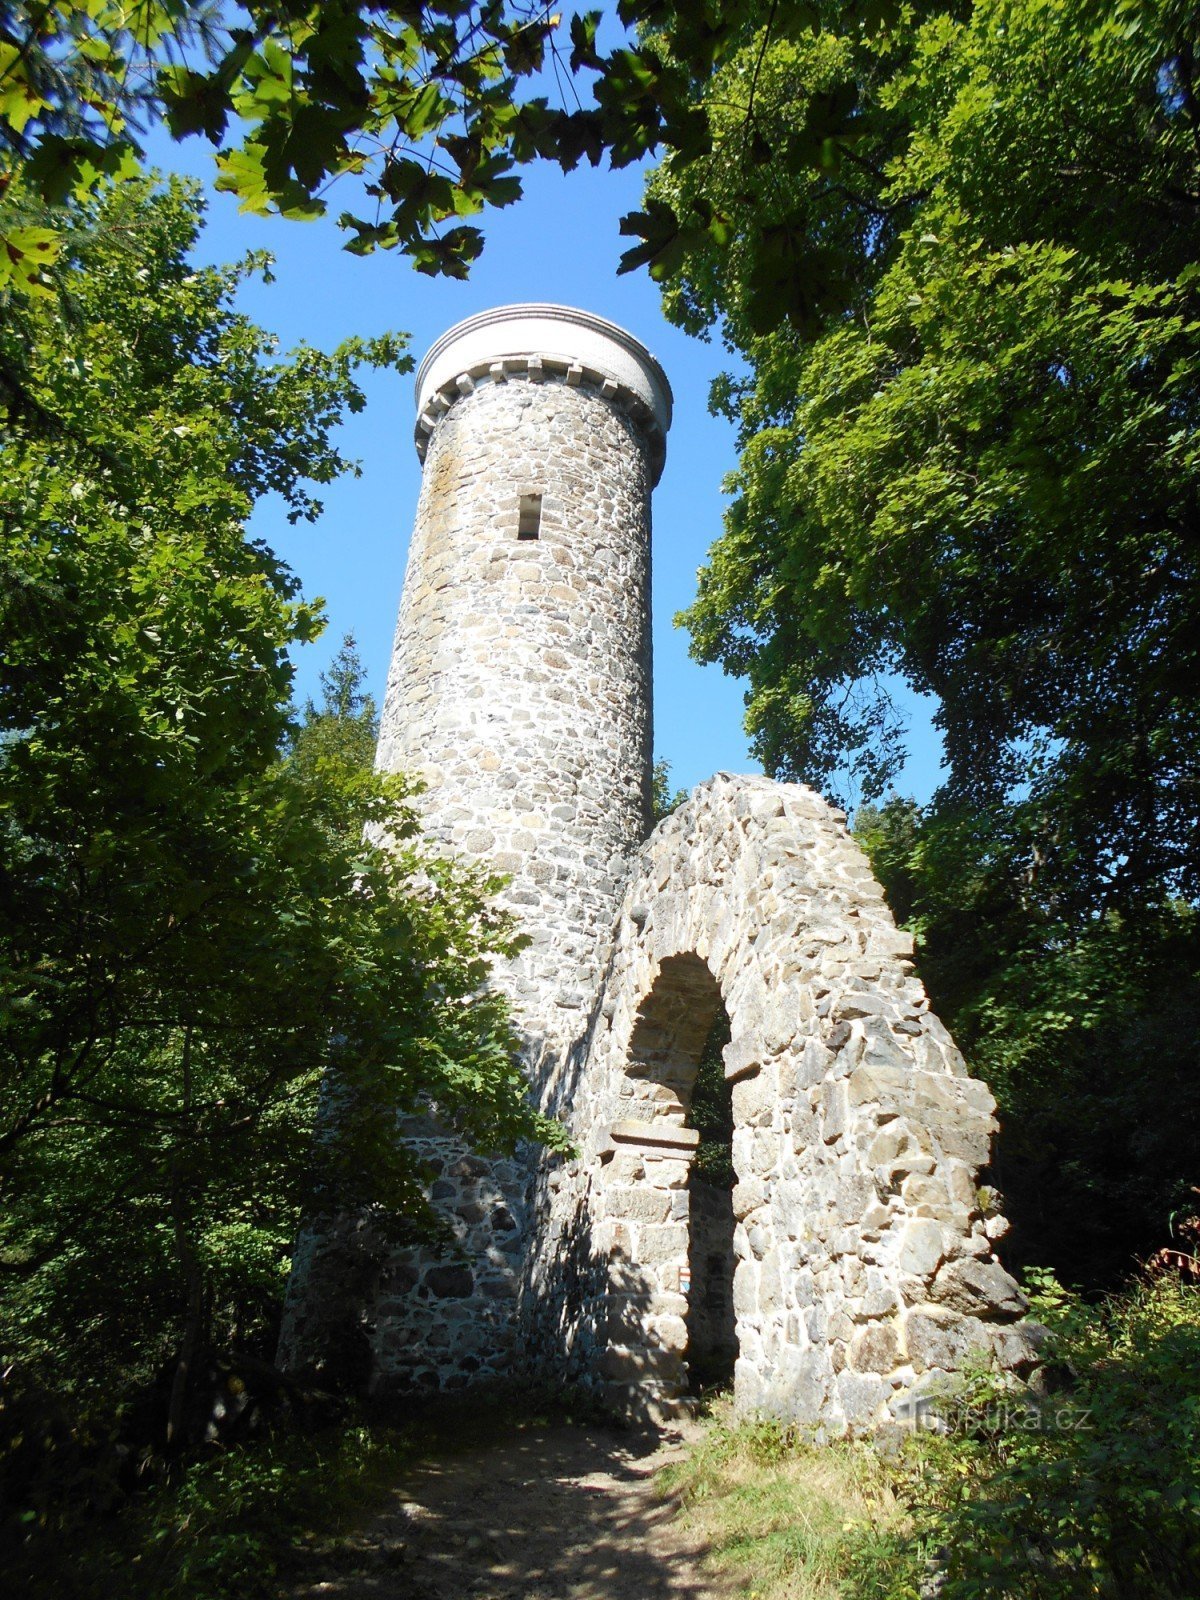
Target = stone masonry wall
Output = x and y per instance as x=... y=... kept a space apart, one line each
x=519 y=691
x=864 y=1253
x=520 y=680
x=860 y=1254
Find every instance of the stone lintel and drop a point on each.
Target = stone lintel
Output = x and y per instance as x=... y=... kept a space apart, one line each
x=668 y=1135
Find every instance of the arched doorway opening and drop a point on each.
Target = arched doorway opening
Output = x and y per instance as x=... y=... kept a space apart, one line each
x=712 y=1345
x=676 y=1076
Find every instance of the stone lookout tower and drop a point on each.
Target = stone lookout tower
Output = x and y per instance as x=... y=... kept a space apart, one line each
x=837 y=1260
x=520 y=681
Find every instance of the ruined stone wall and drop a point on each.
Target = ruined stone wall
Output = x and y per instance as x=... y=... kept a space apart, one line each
x=864 y=1267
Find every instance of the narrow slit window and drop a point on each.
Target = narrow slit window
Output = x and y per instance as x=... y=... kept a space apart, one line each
x=529 y=523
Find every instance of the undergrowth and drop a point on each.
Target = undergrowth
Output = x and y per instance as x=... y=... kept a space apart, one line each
x=228 y=1528
x=1090 y=1491
x=1094 y=1492
x=239 y=1524
x=791 y=1519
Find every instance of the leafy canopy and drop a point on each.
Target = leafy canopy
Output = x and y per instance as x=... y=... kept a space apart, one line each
x=428 y=109
x=422 y=103
x=968 y=439
x=193 y=934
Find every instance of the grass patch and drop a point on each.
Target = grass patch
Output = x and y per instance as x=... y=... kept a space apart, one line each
x=1088 y=1491
x=790 y=1520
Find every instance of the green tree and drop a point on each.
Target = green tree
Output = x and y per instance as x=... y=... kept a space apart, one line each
x=968 y=429
x=663 y=799
x=971 y=459
x=340 y=733
x=194 y=932
x=423 y=104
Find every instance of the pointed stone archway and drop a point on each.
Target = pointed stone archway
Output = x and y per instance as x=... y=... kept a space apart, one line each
x=864 y=1252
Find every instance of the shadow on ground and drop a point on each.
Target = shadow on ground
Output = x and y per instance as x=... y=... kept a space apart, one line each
x=538 y=1513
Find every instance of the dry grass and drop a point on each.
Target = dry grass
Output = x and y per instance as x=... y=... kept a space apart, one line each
x=786 y=1519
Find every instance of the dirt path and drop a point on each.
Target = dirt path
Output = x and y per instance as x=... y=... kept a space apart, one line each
x=544 y=1513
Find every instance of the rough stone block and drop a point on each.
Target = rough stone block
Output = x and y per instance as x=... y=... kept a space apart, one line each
x=978 y=1287
x=892 y=1087
x=937 y=1338
x=661 y=1242
x=765 y=1153
x=748 y=1195
x=745 y=1288
x=755 y=1099
x=922 y=1248
x=797 y=1387
x=743 y=1055
x=833 y=1111
x=671 y=1333
x=900 y=1147
x=875 y=1348
x=893 y=942
x=801 y=1070
x=660 y=1134
x=628 y=1364
x=852 y=1196
x=969 y=1141
x=863 y=1398
x=926 y=1195
x=450 y=1283
x=638 y=1205
x=881 y=1048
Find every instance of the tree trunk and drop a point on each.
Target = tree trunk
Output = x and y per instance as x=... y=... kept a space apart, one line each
x=193 y=1323
x=193 y=1276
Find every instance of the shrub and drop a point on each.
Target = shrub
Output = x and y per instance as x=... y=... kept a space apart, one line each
x=1094 y=1490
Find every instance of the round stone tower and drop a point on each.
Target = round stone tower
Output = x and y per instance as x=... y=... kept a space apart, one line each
x=519 y=687
x=849 y=1270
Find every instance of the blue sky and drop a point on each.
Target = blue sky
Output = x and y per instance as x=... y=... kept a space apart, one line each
x=559 y=243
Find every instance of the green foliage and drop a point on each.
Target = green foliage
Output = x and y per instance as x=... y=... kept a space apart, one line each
x=290 y=98
x=233 y=1526
x=422 y=105
x=425 y=109
x=664 y=800
x=341 y=733
x=195 y=933
x=346 y=708
x=711 y=1109
x=968 y=459
x=1089 y=1492
x=972 y=462
x=1092 y=1492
